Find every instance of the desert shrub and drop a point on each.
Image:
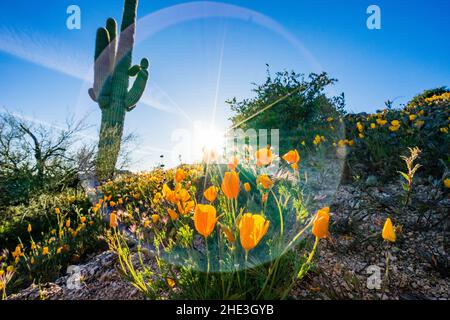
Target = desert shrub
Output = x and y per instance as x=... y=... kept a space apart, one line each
x=39 y=213
x=35 y=159
x=381 y=137
x=53 y=232
x=296 y=105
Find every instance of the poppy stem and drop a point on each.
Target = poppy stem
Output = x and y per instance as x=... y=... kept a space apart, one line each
x=245 y=266
x=280 y=210
x=207 y=266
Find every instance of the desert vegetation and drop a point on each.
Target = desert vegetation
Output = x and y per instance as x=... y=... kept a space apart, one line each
x=343 y=192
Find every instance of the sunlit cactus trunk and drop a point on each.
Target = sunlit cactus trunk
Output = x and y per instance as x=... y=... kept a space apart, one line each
x=112 y=72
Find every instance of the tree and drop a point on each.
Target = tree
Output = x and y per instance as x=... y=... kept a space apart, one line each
x=290 y=103
x=35 y=156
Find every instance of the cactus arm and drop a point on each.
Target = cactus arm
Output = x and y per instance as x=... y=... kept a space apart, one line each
x=101 y=63
x=111 y=26
x=134 y=70
x=101 y=42
x=136 y=90
x=126 y=41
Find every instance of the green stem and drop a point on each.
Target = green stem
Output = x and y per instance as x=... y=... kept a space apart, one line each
x=280 y=211
x=245 y=274
x=207 y=266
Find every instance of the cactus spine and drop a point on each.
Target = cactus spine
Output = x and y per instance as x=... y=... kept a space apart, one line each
x=112 y=72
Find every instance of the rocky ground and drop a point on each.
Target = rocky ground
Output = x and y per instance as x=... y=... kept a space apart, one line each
x=350 y=265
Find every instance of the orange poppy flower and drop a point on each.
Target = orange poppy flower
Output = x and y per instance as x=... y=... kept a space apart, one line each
x=205 y=219
x=230 y=184
x=182 y=195
x=180 y=175
x=155 y=218
x=265 y=181
x=320 y=223
x=169 y=194
x=264 y=197
x=185 y=207
x=388 y=232
x=247 y=187
x=292 y=157
x=252 y=228
x=113 y=221
x=264 y=156
x=210 y=193
x=173 y=215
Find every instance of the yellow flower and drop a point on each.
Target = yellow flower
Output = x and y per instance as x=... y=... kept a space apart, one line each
x=171 y=282
x=381 y=122
x=252 y=228
x=373 y=125
x=180 y=175
x=264 y=156
x=395 y=125
x=58 y=251
x=82 y=219
x=173 y=215
x=361 y=136
x=360 y=127
x=146 y=223
x=33 y=245
x=388 y=231
x=320 y=223
x=29 y=229
x=330 y=119
x=113 y=220
x=155 y=218
x=112 y=203
x=247 y=187
x=447 y=183
x=44 y=251
x=265 y=181
x=205 y=219
x=18 y=251
x=443 y=130
x=230 y=184
x=210 y=193
x=412 y=117
x=317 y=140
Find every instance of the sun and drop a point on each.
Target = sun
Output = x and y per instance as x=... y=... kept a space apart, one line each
x=208 y=140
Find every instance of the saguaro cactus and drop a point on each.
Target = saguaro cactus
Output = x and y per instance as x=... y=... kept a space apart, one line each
x=112 y=72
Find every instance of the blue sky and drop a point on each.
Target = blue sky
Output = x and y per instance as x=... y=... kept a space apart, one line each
x=202 y=53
